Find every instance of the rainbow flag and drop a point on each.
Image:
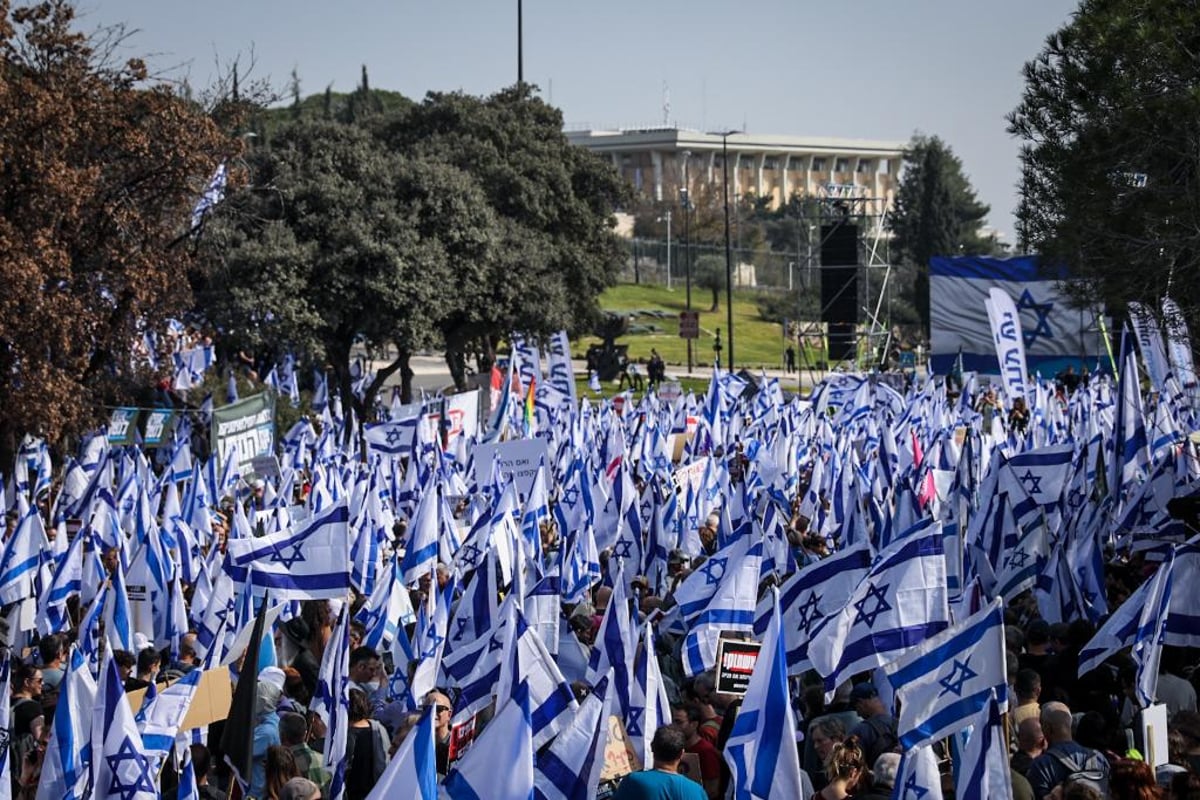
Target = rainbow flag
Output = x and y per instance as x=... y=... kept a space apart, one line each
x=527 y=410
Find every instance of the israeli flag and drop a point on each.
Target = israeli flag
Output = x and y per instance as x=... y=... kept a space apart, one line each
x=761 y=750
x=310 y=564
x=983 y=769
x=731 y=608
x=901 y=603
x=948 y=679
x=918 y=777
x=570 y=768
x=213 y=193
x=161 y=716
x=122 y=772
x=414 y=767
x=1054 y=334
x=507 y=741
x=807 y=597
x=67 y=765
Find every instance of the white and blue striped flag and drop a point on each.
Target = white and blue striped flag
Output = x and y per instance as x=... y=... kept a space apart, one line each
x=918 y=777
x=412 y=772
x=499 y=766
x=649 y=707
x=761 y=750
x=122 y=770
x=731 y=608
x=312 y=563
x=570 y=768
x=67 y=765
x=983 y=769
x=810 y=595
x=901 y=603
x=160 y=717
x=527 y=662
x=948 y=679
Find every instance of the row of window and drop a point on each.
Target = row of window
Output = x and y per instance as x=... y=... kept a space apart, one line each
x=819 y=164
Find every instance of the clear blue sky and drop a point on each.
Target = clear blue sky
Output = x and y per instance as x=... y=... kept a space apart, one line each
x=873 y=69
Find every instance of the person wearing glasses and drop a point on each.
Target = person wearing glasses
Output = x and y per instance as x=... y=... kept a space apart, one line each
x=27 y=720
x=443 y=711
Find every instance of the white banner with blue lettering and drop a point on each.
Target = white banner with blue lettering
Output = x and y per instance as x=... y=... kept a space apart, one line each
x=1055 y=334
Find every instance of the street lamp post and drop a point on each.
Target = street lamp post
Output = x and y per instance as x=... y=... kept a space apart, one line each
x=728 y=246
x=520 y=48
x=687 y=243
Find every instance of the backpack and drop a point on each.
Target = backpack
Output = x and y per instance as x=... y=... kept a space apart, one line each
x=1093 y=771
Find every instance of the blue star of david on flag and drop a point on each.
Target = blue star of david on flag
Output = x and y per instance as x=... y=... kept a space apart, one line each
x=434 y=640
x=289 y=561
x=1041 y=328
x=1031 y=483
x=462 y=629
x=621 y=549
x=633 y=725
x=878 y=595
x=470 y=554
x=393 y=437
x=914 y=789
x=960 y=673
x=130 y=772
x=1016 y=558
x=714 y=570
x=570 y=496
x=495 y=643
x=810 y=613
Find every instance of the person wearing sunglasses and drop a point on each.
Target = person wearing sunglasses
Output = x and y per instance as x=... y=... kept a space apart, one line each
x=442 y=713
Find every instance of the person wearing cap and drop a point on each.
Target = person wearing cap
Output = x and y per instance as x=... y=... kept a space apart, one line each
x=877 y=731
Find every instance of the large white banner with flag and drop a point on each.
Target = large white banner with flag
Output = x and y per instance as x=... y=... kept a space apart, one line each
x=1055 y=334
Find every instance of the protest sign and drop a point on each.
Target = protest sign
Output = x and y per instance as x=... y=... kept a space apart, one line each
x=517 y=461
x=735 y=665
x=159 y=425
x=619 y=756
x=122 y=427
x=244 y=430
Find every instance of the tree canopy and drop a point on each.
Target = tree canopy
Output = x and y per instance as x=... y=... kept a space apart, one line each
x=1110 y=124
x=936 y=214
x=99 y=171
x=449 y=223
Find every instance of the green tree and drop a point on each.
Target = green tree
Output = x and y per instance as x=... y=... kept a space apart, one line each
x=556 y=249
x=709 y=273
x=1110 y=124
x=351 y=243
x=99 y=172
x=936 y=214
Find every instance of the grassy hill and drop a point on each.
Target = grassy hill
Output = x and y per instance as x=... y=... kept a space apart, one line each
x=653 y=313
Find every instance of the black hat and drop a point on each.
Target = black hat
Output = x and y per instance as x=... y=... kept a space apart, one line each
x=297 y=630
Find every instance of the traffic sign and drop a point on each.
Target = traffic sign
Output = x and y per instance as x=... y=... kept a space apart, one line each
x=689 y=324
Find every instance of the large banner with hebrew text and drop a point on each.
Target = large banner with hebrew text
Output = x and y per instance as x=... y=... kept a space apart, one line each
x=1055 y=334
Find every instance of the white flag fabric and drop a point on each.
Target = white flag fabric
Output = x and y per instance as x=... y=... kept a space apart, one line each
x=945 y=681
x=122 y=771
x=570 y=768
x=412 y=772
x=983 y=770
x=312 y=563
x=499 y=766
x=761 y=751
x=918 y=777
x=902 y=602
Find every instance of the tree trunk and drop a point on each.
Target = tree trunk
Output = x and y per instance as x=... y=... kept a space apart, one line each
x=716 y=301
x=457 y=362
x=406 y=376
